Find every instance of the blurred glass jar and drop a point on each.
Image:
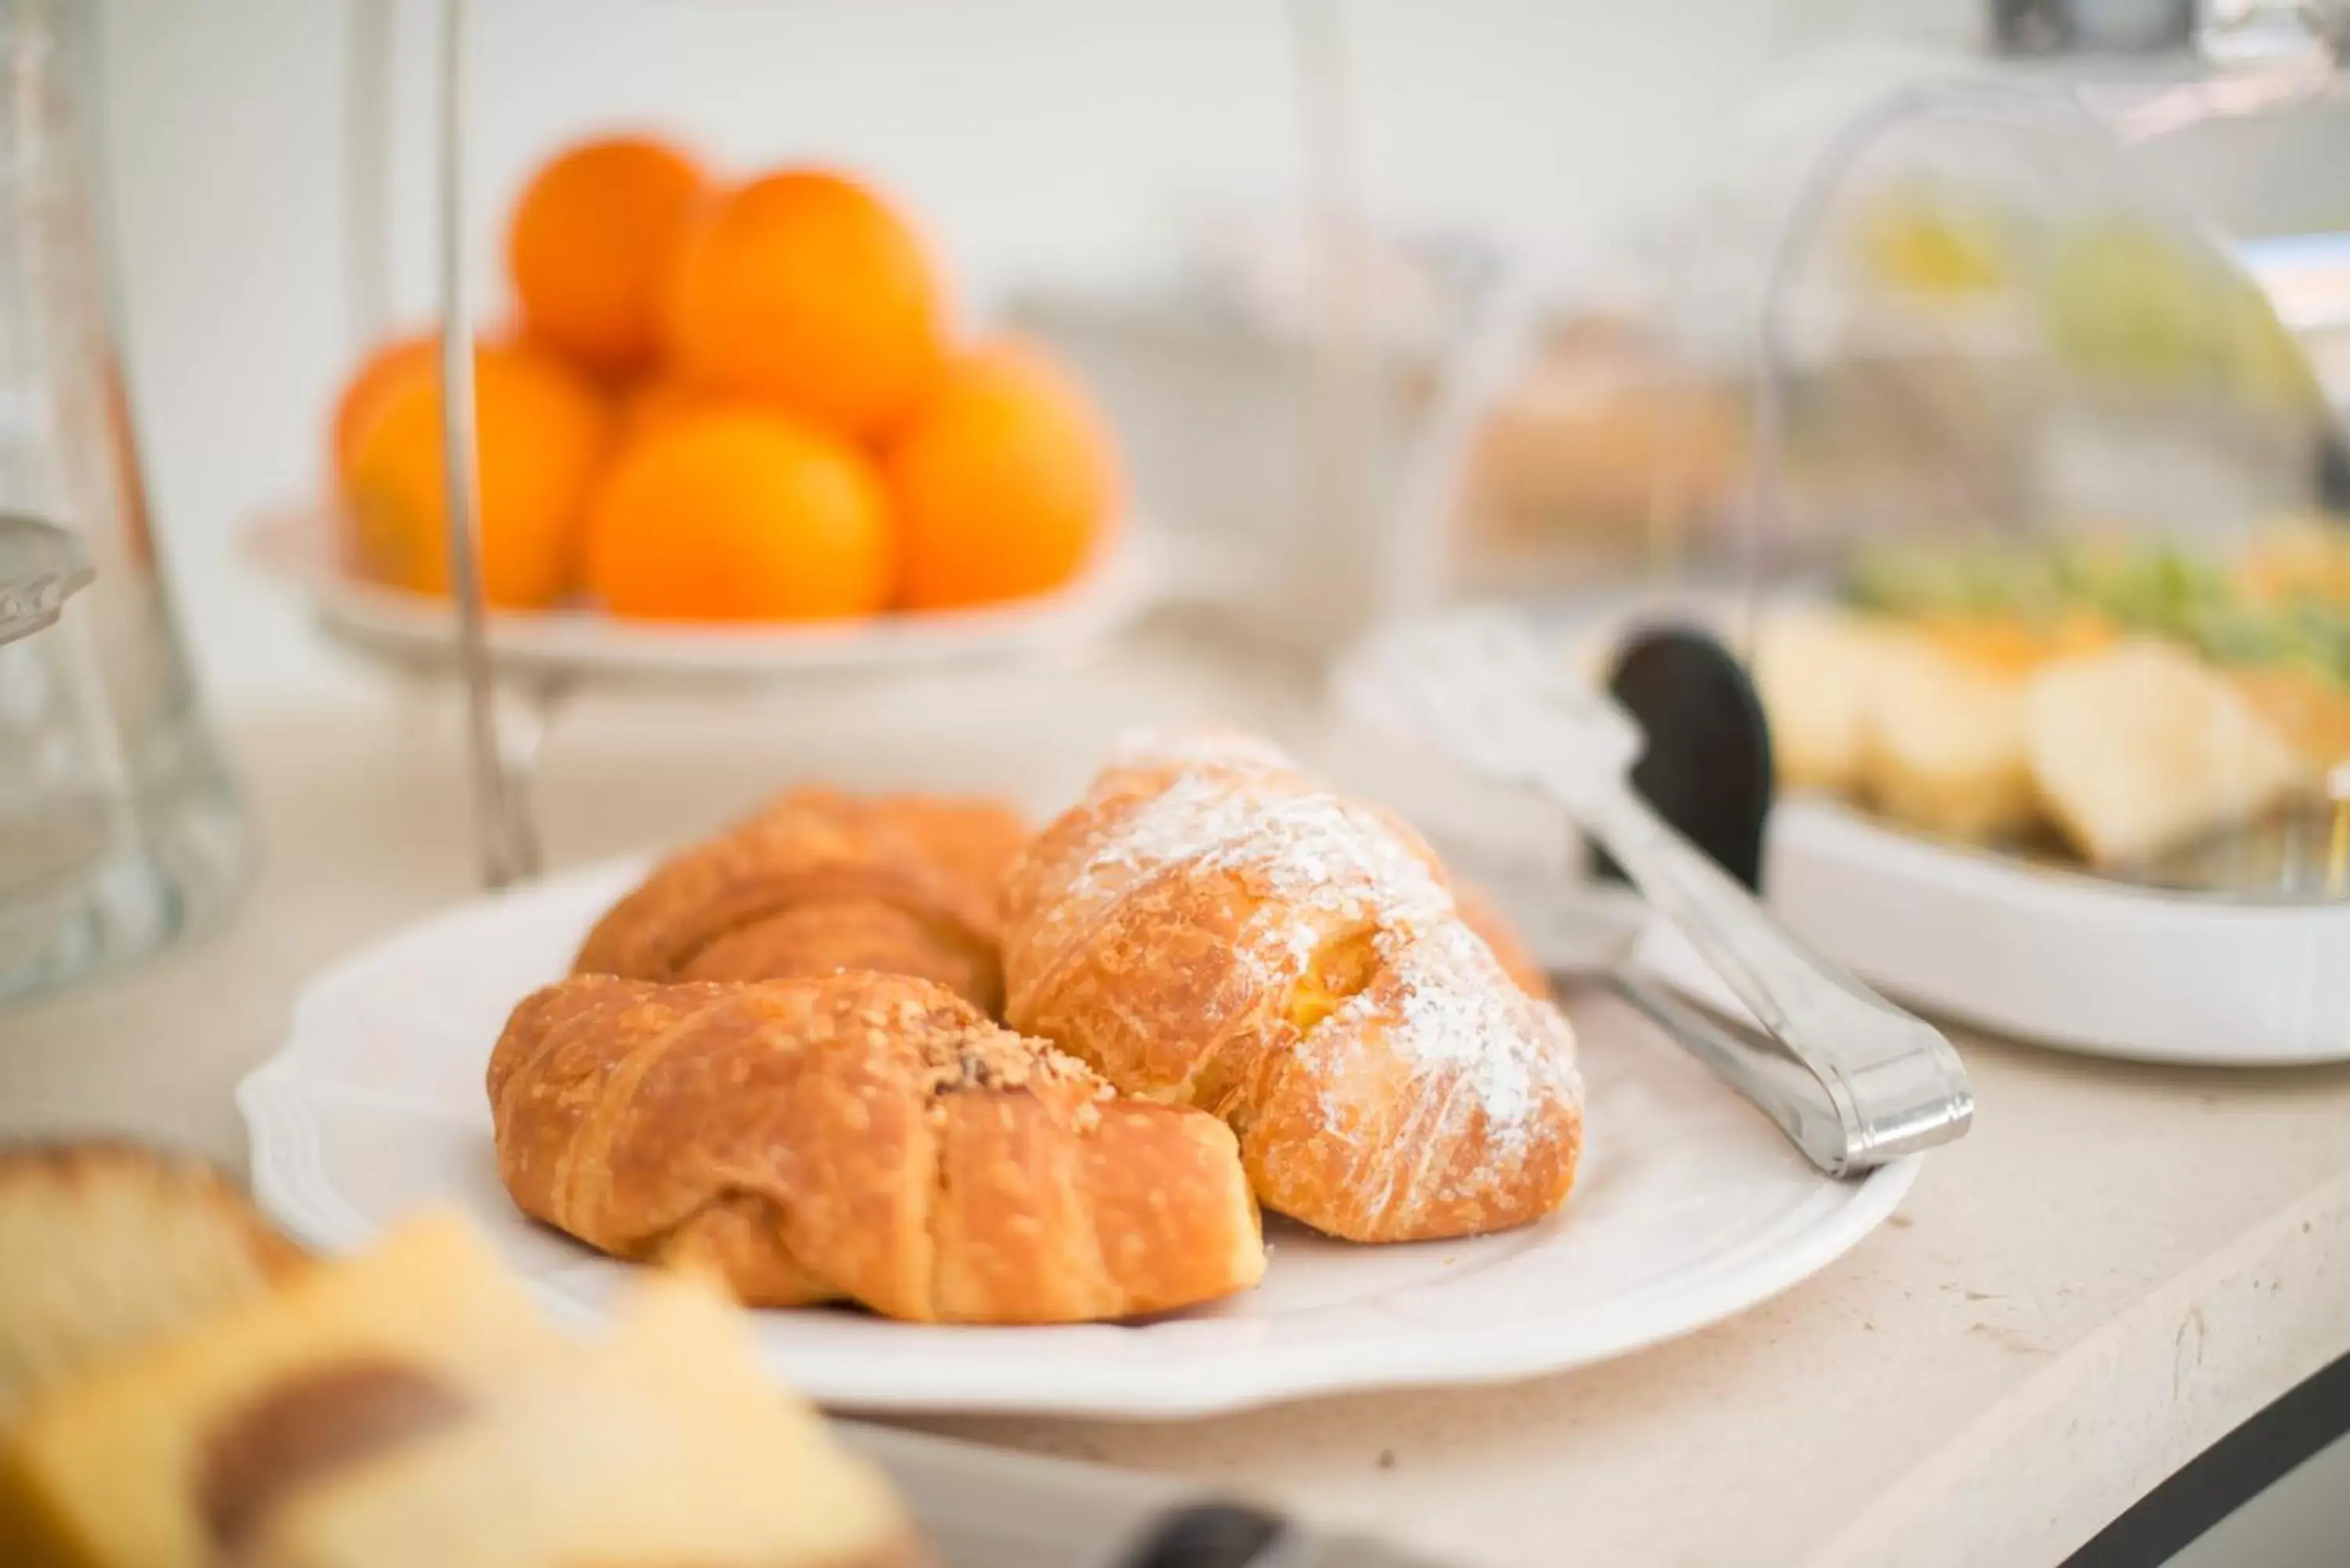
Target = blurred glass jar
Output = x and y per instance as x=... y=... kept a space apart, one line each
x=120 y=827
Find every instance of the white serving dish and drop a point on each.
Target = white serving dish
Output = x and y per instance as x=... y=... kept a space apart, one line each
x=296 y=545
x=2061 y=956
x=1690 y=1207
x=2039 y=952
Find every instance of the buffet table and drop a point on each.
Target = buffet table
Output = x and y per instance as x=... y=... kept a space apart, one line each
x=2118 y=1266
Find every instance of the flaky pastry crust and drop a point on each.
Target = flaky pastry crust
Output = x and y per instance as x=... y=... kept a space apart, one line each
x=1208 y=928
x=864 y=1136
x=820 y=881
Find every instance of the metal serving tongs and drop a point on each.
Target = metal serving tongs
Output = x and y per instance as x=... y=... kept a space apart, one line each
x=1874 y=1083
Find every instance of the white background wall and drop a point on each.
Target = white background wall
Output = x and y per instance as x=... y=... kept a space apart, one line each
x=1044 y=138
x=1037 y=138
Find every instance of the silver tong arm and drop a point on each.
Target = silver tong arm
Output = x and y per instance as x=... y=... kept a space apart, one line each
x=1876 y=1082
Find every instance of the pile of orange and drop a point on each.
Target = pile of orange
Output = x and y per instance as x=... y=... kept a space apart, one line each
x=740 y=403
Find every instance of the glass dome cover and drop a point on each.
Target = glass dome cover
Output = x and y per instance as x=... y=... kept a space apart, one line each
x=1977 y=439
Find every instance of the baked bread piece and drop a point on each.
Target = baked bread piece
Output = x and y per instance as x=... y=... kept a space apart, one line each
x=2140 y=748
x=861 y=1135
x=820 y=881
x=2304 y=706
x=105 y=1246
x=409 y=1406
x=661 y=1444
x=1812 y=666
x=1209 y=929
x=170 y=1456
x=1942 y=743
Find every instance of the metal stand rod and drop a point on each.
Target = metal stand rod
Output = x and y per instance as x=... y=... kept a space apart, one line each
x=525 y=722
x=507 y=840
x=367 y=170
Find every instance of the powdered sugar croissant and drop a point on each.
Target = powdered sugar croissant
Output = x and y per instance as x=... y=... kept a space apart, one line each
x=1209 y=928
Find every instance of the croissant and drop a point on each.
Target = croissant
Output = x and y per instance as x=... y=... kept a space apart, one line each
x=861 y=1135
x=1207 y=927
x=820 y=881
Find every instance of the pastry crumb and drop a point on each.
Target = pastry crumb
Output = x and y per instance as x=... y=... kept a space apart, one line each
x=987 y=1057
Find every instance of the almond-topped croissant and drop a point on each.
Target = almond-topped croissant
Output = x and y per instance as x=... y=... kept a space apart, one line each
x=1208 y=928
x=861 y=1135
x=820 y=881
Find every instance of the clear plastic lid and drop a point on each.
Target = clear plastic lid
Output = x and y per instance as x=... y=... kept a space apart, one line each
x=1978 y=440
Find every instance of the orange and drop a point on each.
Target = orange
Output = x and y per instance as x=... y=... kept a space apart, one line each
x=593 y=235
x=650 y=404
x=1004 y=483
x=383 y=372
x=543 y=433
x=805 y=290
x=737 y=514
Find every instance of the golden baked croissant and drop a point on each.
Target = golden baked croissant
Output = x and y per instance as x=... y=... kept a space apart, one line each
x=864 y=1136
x=820 y=881
x=1209 y=929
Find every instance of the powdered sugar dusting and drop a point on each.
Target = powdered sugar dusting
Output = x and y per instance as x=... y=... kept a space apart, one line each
x=1313 y=851
x=1461 y=1014
x=1325 y=863
x=1491 y=1061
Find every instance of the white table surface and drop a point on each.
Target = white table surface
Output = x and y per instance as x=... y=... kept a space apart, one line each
x=2117 y=1265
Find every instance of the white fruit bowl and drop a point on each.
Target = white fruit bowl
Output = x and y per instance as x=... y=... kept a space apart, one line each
x=295 y=545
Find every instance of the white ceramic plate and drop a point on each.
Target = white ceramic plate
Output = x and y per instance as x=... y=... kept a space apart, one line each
x=296 y=545
x=1689 y=1209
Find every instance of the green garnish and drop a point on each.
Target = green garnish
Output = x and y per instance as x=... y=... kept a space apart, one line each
x=2153 y=589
